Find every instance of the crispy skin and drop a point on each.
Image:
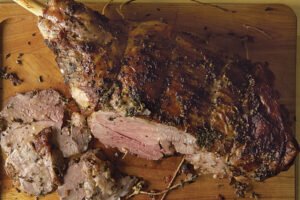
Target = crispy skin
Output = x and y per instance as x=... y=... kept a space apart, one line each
x=228 y=104
x=172 y=78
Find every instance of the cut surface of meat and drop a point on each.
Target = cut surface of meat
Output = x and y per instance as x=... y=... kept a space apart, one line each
x=156 y=91
x=92 y=177
x=74 y=139
x=33 y=141
x=32 y=161
x=147 y=139
x=34 y=165
x=45 y=105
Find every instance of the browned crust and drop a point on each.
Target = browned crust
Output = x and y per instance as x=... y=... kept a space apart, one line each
x=228 y=103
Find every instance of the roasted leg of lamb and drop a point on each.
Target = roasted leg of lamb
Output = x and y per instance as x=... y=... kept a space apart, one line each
x=156 y=91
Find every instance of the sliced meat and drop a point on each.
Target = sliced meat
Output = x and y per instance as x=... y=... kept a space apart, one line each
x=74 y=139
x=147 y=139
x=36 y=167
x=31 y=131
x=91 y=177
x=153 y=140
x=32 y=120
x=45 y=105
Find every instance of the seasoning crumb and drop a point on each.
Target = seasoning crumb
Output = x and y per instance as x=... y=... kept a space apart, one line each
x=147 y=15
x=269 y=9
x=66 y=100
x=19 y=62
x=221 y=197
x=33 y=34
x=254 y=195
x=29 y=43
x=158 y=9
x=205 y=28
x=7 y=56
x=220 y=185
x=111 y=118
x=18 y=190
x=41 y=79
x=20 y=55
x=184 y=169
x=13 y=77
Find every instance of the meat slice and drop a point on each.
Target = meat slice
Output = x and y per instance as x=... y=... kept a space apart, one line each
x=29 y=137
x=156 y=91
x=32 y=120
x=147 y=139
x=91 y=177
x=153 y=141
x=45 y=105
x=36 y=167
x=74 y=139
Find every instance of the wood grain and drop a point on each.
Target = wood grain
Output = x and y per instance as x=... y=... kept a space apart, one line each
x=278 y=48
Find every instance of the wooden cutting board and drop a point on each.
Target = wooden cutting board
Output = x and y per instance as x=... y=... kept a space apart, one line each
x=272 y=28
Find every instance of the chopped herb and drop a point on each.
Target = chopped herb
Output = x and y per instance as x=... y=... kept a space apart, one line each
x=111 y=118
x=66 y=100
x=17 y=120
x=3 y=124
x=33 y=34
x=80 y=185
x=30 y=180
x=29 y=43
x=20 y=55
x=19 y=62
x=269 y=9
x=7 y=56
x=41 y=79
x=32 y=94
x=10 y=106
x=208 y=136
x=18 y=190
x=221 y=197
x=254 y=195
x=13 y=77
x=130 y=112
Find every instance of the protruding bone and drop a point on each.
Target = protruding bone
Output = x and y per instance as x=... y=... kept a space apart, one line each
x=35 y=7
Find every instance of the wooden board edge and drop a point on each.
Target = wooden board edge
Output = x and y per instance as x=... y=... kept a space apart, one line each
x=297 y=114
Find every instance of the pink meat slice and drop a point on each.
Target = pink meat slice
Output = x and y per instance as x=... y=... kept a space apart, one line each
x=148 y=140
